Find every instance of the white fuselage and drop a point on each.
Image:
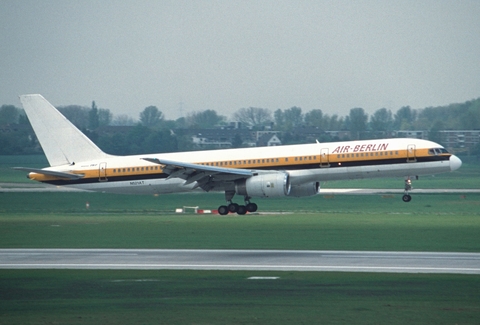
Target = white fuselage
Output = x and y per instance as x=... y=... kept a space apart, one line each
x=304 y=163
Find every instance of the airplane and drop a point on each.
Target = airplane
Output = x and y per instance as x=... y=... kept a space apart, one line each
x=265 y=172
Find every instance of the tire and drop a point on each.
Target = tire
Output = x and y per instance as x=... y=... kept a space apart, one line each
x=252 y=207
x=233 y=207
x=223 y=210
x=241 y=209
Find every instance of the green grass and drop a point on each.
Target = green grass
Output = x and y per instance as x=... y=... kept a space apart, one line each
x=7 y=174
x=370 y=222
x=60 y=220
x=222 y=297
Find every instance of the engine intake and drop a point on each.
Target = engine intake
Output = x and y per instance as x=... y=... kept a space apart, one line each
x=265 y=185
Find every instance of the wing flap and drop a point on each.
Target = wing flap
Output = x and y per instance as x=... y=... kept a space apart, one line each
x=205 y=176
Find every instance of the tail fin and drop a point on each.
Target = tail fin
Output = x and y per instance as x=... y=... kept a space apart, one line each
x=61 y=141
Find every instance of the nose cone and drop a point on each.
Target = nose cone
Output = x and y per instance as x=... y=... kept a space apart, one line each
x=455 y=163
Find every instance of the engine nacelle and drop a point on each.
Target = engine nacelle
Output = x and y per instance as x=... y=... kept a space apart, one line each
x=308 y=189
x=265 y=185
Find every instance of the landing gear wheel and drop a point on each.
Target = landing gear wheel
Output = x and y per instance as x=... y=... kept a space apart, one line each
x=233 y=207
x=242 y=209
x=223 y=210
x=406 y=198
x=251 y=207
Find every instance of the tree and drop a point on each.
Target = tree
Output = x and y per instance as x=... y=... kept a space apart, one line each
x=405 y=118
x=279 y=119
x=151 y=116
x=93 y=117
x=206 y=119
x=9 y=114
x=104 y=117
x=123 y=120
x=333 y=123
x=253 y=117
x=358 y=122
x=434 y=133
x=470 y=118
x=76 y=114
x=293 y=117
x=381 y=120
x=315 y=118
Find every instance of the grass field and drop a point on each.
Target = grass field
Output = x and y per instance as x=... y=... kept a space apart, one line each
x=371 y=222
x=221 y=297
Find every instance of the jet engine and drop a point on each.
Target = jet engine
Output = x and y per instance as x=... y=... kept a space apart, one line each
x=265 y=185
x=308 y=189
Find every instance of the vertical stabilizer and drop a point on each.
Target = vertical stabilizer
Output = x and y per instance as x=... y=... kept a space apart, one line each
x=61 y=141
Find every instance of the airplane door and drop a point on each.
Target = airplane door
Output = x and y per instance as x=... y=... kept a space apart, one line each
x=411 y=153
x=324 y=160
x=102 y=172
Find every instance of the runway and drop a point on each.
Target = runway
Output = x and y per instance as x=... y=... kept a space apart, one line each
x=252 y=260
x=39 y=187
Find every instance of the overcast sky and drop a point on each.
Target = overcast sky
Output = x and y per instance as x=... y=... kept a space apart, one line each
x=185 y=56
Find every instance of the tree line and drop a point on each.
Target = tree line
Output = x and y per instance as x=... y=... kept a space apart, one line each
x=153 y=132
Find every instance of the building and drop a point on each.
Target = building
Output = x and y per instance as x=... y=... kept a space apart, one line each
x=268 y=140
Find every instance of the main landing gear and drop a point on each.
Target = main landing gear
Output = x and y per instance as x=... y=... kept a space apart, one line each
x=235 y=207
x=408 y=187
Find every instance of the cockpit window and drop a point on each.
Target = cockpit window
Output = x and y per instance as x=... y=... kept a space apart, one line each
x=437 y=151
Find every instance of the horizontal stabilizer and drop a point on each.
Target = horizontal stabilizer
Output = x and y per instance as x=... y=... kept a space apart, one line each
x=50 y=172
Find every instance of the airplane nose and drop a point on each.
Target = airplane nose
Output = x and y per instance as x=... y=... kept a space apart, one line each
x=455 y=163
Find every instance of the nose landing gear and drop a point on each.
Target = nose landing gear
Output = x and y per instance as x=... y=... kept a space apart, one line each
x=408 y=187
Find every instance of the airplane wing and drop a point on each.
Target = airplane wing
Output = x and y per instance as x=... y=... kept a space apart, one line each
x=50 y=172
x=207 y=177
